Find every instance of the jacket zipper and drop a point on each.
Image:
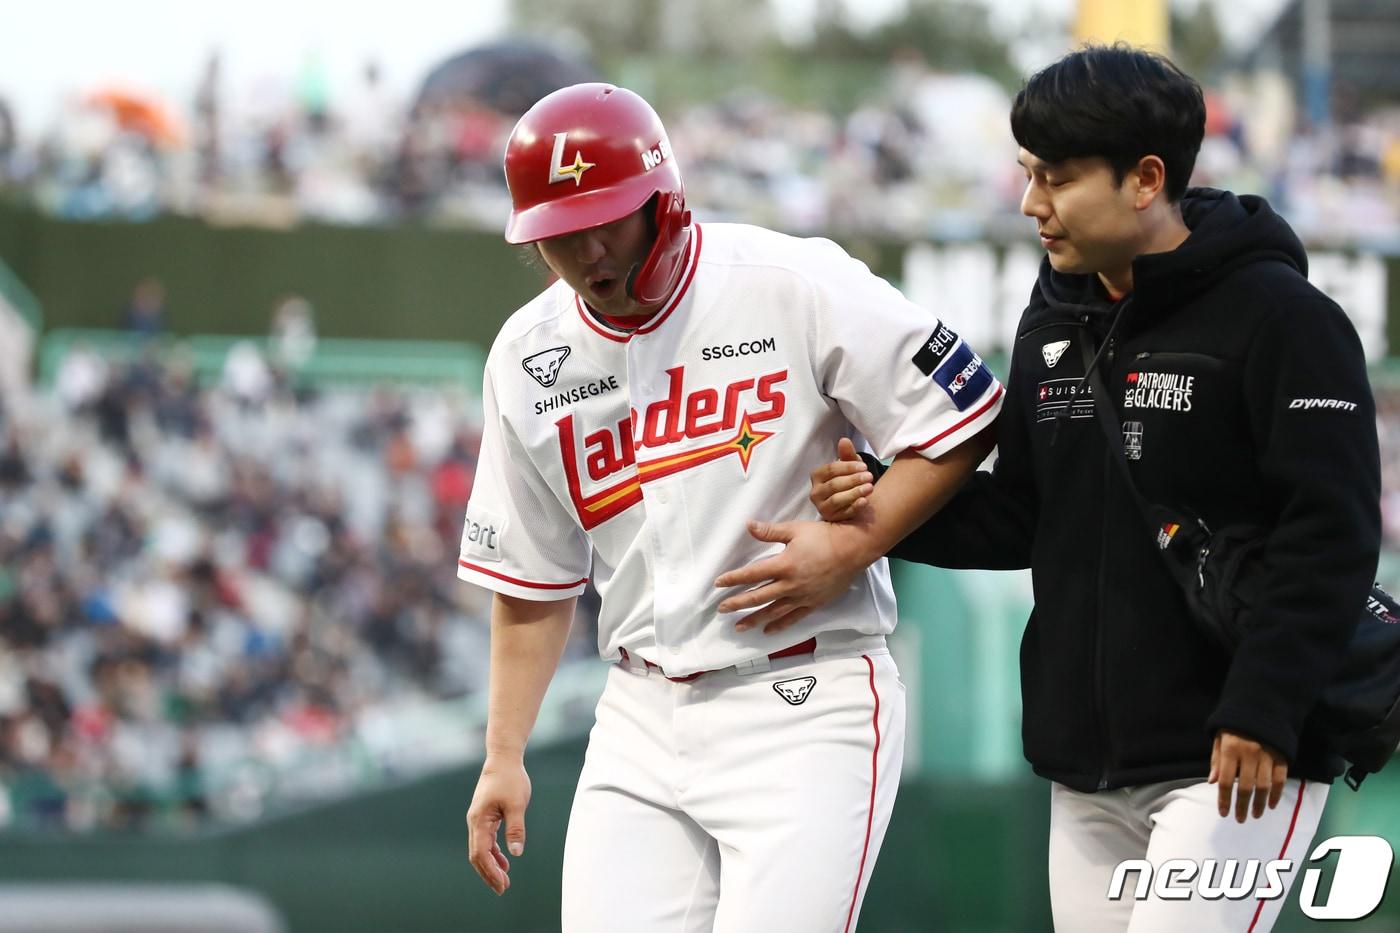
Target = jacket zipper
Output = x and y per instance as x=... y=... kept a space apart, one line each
x=1098 y=640
x=1110 y=353
x=1097 y=696
x=1099 y=691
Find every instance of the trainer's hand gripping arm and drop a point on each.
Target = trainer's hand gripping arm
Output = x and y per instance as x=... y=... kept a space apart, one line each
x=821 y=559
x=840 y=488
x=527 y=639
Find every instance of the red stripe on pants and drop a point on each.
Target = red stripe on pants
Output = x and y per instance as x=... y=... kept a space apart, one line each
x=874 y=777
x=1302 y=786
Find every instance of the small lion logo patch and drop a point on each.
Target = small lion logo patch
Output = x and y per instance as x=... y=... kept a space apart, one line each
x=795 y=691
x=543 y=367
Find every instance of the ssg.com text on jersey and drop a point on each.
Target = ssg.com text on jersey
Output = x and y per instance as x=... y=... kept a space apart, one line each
x=748 y=348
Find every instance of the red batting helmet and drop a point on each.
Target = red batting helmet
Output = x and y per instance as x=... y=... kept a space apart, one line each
x=590 y=154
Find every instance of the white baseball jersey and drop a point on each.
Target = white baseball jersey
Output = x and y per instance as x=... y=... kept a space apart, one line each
x=637 y=457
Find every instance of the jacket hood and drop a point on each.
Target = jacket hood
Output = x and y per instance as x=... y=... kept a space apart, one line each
x=1227 y=231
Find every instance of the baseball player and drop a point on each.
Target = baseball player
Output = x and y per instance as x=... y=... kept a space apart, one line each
x=675 y=380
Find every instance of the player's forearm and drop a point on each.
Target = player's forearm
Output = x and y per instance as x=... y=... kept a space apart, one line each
x=527 y=639
x=911 y=491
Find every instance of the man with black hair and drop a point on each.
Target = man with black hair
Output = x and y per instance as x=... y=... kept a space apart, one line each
x=1241 y=393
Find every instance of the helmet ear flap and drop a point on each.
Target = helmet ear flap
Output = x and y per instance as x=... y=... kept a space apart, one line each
x=651 y=282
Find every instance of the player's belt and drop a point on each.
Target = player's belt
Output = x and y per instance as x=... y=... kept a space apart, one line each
x=807 y=647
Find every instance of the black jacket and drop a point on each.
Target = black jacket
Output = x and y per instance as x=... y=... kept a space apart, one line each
x=1249 y=404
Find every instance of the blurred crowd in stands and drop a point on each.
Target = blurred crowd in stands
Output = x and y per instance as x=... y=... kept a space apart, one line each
x=208 y=590
x=929 y=154
x=215 y=597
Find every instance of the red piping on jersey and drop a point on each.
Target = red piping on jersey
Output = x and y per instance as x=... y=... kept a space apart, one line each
x=656 y=321
x=972 y=417
x=532 y=585
x=1302 y=786
x=874 y=776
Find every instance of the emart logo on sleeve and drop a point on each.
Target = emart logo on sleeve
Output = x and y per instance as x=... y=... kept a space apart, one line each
x=482 y=534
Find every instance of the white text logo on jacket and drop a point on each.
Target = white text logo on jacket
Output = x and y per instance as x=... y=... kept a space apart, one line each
x=1165 y=391
x=1309 y=403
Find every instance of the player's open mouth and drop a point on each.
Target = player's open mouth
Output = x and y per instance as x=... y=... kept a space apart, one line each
x=603 y=287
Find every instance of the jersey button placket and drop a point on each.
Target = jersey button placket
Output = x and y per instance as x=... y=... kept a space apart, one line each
x=641 y=375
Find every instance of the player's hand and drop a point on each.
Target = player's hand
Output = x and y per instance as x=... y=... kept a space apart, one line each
x=502 y=794
x=817 y=565
x=839 y=488
x=1253 y=771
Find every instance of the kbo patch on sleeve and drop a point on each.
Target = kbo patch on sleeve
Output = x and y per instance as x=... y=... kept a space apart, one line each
x=963 y=376
x=483 y=534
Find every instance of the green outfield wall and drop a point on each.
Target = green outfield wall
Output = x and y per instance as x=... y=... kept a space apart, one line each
x=419 y=282
x=366 y=282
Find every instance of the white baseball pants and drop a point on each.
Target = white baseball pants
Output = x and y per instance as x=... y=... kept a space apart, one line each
x=721 y=806
x=1091 y=834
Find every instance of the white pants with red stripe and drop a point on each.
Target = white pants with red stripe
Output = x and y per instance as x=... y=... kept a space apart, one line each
x=1091 y=834
x=720 y=805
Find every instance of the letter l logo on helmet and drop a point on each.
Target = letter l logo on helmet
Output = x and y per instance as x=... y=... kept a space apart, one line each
x=558 y=171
